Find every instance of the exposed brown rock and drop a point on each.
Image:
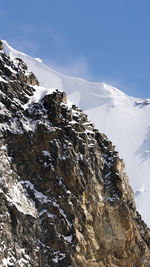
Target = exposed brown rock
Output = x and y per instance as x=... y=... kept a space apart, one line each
x=31 y=79
x=65 y=198
x=1 y=45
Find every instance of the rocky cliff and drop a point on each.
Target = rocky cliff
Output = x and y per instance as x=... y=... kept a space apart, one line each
x=65 y=199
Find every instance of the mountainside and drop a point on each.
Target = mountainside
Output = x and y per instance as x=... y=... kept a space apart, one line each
x=124 y=119
x=65 y=198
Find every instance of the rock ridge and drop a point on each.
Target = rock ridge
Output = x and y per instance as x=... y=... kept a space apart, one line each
x=65 y=198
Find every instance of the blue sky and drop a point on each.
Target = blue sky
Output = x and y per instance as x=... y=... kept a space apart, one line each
x=99 y=40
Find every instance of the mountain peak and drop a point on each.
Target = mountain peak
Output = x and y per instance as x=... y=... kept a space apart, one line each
x=65 y=197
x=124 y=119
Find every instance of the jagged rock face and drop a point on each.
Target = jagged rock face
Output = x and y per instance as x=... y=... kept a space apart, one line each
x=65 y=198
x=1 y=45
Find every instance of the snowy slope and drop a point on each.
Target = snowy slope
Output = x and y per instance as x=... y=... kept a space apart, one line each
x=125 y=120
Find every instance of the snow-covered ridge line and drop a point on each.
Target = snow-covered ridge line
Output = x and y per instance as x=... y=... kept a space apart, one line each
x=14 y=53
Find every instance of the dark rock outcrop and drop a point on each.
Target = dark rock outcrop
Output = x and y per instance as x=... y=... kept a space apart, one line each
x=65 y=198
x=1 y=45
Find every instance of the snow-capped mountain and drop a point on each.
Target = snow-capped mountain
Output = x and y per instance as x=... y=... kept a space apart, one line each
x=65 y=199
x=124 y=119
